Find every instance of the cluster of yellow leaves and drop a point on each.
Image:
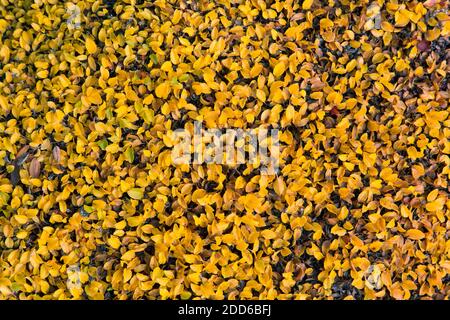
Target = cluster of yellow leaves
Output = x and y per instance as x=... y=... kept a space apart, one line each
x=92 y=206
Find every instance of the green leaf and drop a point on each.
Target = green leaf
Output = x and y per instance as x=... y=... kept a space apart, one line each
x=184 y=77
x=154 y=58
x=16 y=287
x=102 y=144
x=138 y=107
x=4 y=198
x=124 y=123
x=109 y=113
x=129 y=155
x=148 y=115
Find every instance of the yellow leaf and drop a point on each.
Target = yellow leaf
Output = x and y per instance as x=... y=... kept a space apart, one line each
x=338 y=231
x=279 y=69
x=260 y=95
x=307 y=4
x=433 y=195
x=112 y=148
x=436 y=205
x=185 y=295
x=128 y=255
x=136 y=193
x=401 y=18
x=298 y=222
x=163 y=90
x=114 y=242
x=405 y=212
x=3 y=103
x=415 y=234
x=397 y=293
x=127 y=275
x=259 y=266
x=268 y=234
x=279 y=186
x=386 y=26
x=21 y=218
x=147 y=228
x=90 y=45
x=351 y=65
x=93 y=96
x=42 y=74
x=240 y=183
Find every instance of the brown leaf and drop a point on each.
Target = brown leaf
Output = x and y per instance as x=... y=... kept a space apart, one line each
x=423 y=45
x=316 y=84
x=22 y=155
x=335 y=111
x=35 y=168
x=56 y=154
x=22 y=151
x=431 y=3
x=297 y=16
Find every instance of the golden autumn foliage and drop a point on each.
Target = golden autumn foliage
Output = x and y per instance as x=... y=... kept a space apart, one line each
x=93 y=207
